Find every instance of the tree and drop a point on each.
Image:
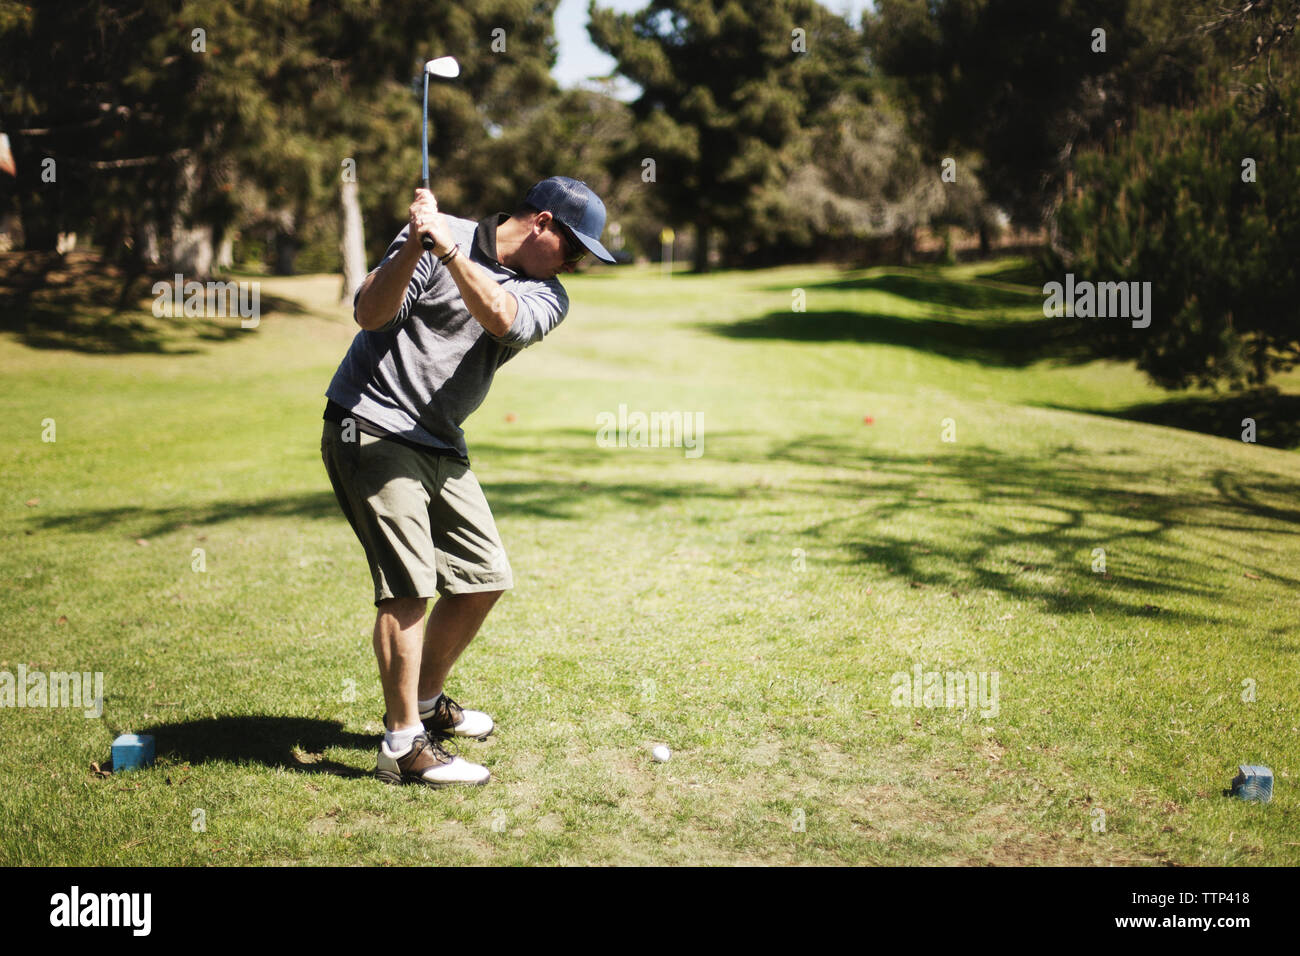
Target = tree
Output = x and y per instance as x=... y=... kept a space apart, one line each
x=1026 y=85
x=724 y=88
x=858 y=173
x=1204 y=203
x=173 y=124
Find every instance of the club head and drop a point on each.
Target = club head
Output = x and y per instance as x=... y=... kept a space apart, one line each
x=444 y=66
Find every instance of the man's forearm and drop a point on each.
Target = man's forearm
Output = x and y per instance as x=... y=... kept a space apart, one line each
x=384 y=290
x=492 y=306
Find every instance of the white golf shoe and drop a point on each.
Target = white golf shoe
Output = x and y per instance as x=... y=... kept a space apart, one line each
x=448 y=719
x=429 y=763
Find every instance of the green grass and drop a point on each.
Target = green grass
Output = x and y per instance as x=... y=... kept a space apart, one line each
x=747 y=607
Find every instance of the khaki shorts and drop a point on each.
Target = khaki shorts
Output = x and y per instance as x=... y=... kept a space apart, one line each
x=422 y=518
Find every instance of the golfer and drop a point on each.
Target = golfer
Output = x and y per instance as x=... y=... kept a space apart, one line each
x=436 y=327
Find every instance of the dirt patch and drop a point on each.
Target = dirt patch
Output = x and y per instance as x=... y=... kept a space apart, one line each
x=551 y=823
x=765 y=753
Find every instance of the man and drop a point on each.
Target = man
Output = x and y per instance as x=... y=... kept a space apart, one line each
x=436 y=326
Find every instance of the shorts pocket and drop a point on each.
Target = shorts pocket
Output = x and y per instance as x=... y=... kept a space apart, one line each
x=339 y=456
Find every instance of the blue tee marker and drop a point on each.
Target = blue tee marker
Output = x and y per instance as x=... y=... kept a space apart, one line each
x=132 y=752
x=1253 y=783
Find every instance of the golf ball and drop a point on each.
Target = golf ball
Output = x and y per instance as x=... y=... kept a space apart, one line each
x=661 y=753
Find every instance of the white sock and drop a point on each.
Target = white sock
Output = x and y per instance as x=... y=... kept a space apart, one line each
x=427 y=705
x=400 y=741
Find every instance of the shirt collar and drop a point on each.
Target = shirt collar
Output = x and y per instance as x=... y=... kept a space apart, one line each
x=485 y=236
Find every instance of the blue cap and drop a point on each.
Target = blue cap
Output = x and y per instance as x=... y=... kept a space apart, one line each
x=574 y=204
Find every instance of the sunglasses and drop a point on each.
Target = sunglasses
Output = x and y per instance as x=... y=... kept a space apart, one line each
x=574 y=251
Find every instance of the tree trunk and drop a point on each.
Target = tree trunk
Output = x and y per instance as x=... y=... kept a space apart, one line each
x=907 y=245
x=40 y=222
x=146 y=242
x=192 y=251
x=286 y=253
x=226 y=253
x=701 y=246
x=11 y=232
x=38 y=205
x=352 y=245
x=190 y=243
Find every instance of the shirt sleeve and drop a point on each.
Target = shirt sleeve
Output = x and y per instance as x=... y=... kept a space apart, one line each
x=541 y=307
x=414 y=289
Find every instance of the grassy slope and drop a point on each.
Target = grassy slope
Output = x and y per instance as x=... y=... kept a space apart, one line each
x=660 y=599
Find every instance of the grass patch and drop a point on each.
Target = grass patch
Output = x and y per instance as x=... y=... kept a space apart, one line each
x=750 y=608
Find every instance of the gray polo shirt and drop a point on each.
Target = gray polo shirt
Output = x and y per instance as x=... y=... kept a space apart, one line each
x=421 y=375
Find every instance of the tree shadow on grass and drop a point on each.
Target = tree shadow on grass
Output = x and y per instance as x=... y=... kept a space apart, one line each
x=1276 y=415
x=1028 y=274
x=1018 y=519
x=1021 y=525
x=81 y=303
x=940 y=291
x=74 y=328
x=143 y=522
x=1012 y=343
x=1002 y=342
x=291 y=743
x=989 y=338
x=545 y=499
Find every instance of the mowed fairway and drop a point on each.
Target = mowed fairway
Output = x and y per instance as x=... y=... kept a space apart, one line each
x=749 y=607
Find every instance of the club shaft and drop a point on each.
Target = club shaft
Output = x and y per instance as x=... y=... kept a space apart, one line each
x=424 y=133
x=426 y=240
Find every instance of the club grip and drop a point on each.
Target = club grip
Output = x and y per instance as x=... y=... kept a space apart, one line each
x=426 y=241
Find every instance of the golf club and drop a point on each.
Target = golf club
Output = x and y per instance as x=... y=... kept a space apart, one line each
x=447 y=68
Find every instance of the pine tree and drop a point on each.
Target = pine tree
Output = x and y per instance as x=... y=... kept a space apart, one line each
x=725 y=87
x=174 y=123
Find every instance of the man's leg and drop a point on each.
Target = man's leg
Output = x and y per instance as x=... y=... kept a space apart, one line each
x=452 y=624
x=382 y=492
x=397 y=649
x=417 y=758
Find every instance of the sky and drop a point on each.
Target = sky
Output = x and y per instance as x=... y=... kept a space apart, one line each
x=579 y=61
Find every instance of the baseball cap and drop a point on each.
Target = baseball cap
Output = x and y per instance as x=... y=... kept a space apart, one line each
x=574 y=204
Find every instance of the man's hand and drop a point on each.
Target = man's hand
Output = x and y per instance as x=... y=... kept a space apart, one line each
x=384 y=289
x=426 y=220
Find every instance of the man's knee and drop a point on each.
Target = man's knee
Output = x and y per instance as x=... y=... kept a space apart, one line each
x=406 y=611
x=480 y=599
